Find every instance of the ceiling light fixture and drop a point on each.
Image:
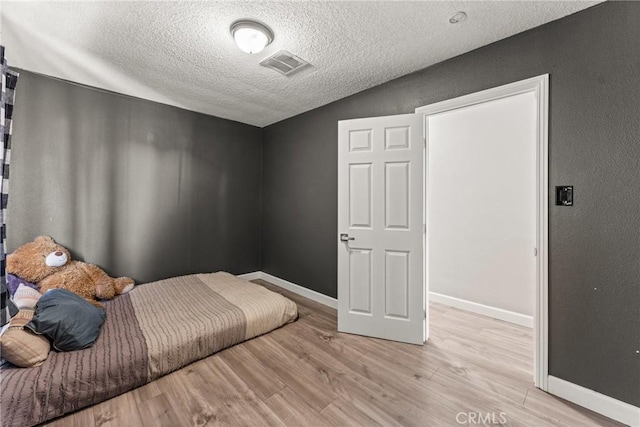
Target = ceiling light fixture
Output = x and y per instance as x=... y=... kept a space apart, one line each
x=251 y=36
x=457 y=18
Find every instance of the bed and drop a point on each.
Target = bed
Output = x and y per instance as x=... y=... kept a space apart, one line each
x=153 y=330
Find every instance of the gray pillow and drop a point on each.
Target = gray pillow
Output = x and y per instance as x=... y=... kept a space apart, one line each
x=68 y=320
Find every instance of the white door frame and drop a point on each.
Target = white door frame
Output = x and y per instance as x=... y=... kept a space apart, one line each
x=540 y=87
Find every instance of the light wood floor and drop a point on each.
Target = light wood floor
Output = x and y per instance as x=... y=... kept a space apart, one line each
x=307 y=374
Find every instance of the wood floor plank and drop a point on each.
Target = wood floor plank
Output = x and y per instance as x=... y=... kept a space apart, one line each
x=82 y=418
x=115 y=412
x=563 y=412
x=489 y=381
x=240 y=400
x=160 y=411
x=308 y=374
x=511 y=332
x=332 y=342
x=470 y=354
x=191 y=393
x=343 y=413
x=298 y=375
x=148 y=391
x=436 y=307
x=86 y=418
x=248 y=367
x=293 y=411
x=408 y=364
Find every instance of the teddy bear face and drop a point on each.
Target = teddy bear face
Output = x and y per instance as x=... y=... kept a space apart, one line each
x=56 y=259
x=37 y=260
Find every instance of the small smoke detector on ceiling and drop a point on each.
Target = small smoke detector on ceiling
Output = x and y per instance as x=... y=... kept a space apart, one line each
x=284 y=62
x=458 y=17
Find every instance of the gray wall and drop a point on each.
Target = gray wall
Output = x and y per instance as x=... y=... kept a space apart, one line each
x=138 y=188
x=593 y=58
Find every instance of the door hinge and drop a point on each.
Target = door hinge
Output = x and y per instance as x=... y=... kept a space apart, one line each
x=535 y=251
x=424 y=142
x=424 y=228
x=425 y=313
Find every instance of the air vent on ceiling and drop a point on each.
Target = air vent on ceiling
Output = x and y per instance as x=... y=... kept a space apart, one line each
x=284 y=62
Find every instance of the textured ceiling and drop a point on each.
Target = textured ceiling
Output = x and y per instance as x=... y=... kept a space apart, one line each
x=182 y=54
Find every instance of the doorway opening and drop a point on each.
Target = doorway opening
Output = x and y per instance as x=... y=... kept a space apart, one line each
x=486 y=204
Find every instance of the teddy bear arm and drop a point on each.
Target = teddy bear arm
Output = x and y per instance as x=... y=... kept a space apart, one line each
x=69 y=279
x=103 y=284
x=123 y=285
x=45 y=285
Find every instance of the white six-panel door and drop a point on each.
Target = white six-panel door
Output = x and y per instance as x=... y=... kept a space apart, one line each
x=380 y=228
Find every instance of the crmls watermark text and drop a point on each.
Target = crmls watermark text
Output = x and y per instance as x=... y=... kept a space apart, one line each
x=481 y=418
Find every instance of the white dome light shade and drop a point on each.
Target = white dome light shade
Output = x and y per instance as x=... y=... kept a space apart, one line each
x=250 y=40
x=251 y=36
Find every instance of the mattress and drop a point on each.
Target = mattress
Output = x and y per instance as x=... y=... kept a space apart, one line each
x=153 y=330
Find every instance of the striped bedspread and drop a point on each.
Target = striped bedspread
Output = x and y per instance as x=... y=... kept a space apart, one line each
x=153 y=330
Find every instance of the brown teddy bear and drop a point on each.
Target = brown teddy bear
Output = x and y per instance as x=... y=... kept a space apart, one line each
x=49 y=265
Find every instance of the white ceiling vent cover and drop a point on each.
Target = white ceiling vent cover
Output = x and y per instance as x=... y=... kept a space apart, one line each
x=284 y=62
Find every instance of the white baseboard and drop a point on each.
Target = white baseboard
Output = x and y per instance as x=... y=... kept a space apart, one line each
x=597 y=402
x=250 y=276
x=296 y=289
x=485 y=310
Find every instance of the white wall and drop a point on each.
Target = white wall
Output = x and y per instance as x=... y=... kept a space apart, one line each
x=481 y=203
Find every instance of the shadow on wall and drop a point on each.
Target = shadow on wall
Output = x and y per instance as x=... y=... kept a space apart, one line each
x=140 y=189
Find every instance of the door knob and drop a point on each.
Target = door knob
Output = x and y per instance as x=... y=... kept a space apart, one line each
x=345 y=237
